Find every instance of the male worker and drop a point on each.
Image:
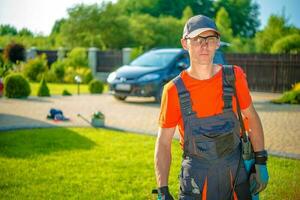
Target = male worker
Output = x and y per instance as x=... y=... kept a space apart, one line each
x=205 y=112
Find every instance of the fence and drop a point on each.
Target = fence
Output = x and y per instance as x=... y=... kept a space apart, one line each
x=268 y=72
x=108 y=61
x=51 y=55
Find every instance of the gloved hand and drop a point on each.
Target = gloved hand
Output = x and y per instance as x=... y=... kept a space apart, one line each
x=259 y=177
x=164 y=194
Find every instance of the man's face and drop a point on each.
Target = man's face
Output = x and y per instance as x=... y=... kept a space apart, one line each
x=202 y=47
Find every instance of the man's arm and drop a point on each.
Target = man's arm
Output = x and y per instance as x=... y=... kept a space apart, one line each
x=162 y=155
x=256 y=135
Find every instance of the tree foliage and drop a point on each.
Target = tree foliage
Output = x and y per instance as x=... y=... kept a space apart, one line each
x=287 y=44
x=14 y=52
x=276 y=28
x=243 y=15
x=223 y=23
x=7 y=29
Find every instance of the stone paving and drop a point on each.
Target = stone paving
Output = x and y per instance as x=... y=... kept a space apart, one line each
x=281 y=122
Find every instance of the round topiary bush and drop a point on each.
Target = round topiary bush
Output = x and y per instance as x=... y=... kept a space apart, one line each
x=16 y=86
x=96 y=87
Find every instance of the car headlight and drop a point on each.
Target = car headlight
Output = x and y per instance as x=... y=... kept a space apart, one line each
x=149 y=77
x=111 y=77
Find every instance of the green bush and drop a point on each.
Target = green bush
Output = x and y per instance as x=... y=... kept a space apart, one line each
x=58 y=68
x=66 y=93
x=96 y=87
x=77 y=58
x=287 y=44
x=50 y=77
x=292 y=96
x=35 y=67
x=16 y=86
x=43 y=90
x=84 y=73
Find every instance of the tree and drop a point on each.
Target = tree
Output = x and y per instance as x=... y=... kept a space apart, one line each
x=25 y=32
x=276 y=28
x=224 y=25
x=82 y=26
x=173 y=8
x=243 y=15
x=96 y=25
x=7 y=29
x=57 y=26
x=186 y=14
x=143 y=35
x=14 y=52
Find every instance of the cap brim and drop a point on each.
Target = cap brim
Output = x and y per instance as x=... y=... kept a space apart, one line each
x=199 y=31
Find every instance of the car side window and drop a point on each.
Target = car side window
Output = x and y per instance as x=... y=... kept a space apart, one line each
x=183 y=61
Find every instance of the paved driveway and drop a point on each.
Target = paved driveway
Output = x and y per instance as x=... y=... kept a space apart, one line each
x=281 y=122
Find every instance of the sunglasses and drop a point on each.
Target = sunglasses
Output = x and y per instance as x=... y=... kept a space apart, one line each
x=210 y=40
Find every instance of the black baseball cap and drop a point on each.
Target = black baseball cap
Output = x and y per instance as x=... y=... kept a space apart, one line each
x=198 y=24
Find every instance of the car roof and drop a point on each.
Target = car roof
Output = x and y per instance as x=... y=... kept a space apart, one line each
x=170 y=50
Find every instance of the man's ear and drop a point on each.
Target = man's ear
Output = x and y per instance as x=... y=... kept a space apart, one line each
x=184 y=44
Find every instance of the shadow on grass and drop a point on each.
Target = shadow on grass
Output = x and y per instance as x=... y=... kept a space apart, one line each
x=30 y=143
x=14 y=122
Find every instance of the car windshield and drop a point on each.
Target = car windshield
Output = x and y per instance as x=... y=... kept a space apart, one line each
x=154 y=59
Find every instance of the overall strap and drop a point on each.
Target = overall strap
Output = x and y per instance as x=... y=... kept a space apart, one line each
x=228 y=83
x=185 y=107
x=184 y=97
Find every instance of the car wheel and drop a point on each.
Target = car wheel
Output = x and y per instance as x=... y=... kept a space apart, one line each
x=120 y=98
x=159 y=94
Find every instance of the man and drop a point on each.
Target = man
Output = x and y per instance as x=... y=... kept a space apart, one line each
x=197 y=101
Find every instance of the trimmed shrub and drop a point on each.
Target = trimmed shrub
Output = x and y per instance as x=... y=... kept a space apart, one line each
x=66 y=93
x=14 y=52
x=43 y=90
x=96 y=87
x=35 y=67
x=292 y=96
x=16 y=86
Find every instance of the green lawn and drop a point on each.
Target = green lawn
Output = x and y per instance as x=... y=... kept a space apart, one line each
x=57 y=88
x=88 y=163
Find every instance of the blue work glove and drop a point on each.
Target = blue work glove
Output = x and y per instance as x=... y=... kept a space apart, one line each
x=260 y=177
x=164 y=194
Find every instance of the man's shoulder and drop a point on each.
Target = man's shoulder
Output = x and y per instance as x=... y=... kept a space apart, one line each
x=170 y=86
x=238 y=70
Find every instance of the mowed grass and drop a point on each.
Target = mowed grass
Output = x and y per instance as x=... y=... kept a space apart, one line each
x=87 y=163
x=57 y=88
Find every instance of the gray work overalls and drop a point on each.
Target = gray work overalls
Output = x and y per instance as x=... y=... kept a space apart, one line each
x=212 y=150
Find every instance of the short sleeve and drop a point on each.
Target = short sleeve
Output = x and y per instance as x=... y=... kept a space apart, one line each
x=242 y=89
x=169 y=110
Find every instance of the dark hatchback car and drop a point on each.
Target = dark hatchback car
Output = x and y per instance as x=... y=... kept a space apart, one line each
x=146 y=75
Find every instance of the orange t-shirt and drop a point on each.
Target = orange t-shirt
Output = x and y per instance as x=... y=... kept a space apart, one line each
x=206 y=98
